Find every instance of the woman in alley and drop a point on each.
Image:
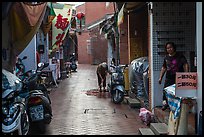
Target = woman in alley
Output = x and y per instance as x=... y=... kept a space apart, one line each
x=173 y=62
x=101 y=72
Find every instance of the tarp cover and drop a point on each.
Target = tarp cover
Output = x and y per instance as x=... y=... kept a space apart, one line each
x=136 y=70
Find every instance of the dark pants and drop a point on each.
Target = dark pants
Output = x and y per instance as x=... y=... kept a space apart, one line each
x=168 y=82
x=100 y=80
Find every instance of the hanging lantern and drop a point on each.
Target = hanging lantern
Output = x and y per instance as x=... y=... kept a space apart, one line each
x=80 y=15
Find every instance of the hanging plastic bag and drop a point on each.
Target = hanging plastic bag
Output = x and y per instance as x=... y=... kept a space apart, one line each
x=146 y=116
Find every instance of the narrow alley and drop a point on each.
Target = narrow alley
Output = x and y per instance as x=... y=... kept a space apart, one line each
x=77 y=113
x=152 y=52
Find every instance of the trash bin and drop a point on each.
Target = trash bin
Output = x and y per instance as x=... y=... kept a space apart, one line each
x=200 y=124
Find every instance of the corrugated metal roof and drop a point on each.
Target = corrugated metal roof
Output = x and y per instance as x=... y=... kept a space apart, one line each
x=108 y=16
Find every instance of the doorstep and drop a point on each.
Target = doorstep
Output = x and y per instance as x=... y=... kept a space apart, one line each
x=163 y=117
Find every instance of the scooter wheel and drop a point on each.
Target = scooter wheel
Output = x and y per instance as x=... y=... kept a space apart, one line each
x=42 y=127
x=117 y=98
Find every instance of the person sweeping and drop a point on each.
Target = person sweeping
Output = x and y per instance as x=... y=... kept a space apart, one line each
x=101 y=72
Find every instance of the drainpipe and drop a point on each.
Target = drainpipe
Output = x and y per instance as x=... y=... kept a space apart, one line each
x=110 y=51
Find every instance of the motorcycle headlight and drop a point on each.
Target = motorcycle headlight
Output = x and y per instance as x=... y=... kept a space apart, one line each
x=18 y=85
x=115 y=76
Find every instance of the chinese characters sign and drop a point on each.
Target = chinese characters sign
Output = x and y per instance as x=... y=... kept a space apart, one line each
x=186 y=80
x=61 y=25
x=186 y=84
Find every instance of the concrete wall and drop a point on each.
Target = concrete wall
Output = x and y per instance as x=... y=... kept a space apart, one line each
x=30 y=52
x=8 y=55
x=199 y=54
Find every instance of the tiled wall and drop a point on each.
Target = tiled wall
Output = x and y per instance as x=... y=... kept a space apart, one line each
x=173 y=21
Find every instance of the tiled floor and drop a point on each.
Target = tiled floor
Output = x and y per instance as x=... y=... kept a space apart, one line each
x=78 y=112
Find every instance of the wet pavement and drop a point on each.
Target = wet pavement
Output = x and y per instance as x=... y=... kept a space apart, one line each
x=79 y=109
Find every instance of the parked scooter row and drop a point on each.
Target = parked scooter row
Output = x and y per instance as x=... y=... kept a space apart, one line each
x=14 y=112
x=24 y=102
x=39 y=103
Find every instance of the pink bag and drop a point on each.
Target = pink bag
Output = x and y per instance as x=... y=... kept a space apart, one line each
x=146 y=116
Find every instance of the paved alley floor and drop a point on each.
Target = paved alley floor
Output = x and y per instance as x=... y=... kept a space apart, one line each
x=77 y=113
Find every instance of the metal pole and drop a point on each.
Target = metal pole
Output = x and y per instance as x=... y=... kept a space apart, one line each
x=117 y=40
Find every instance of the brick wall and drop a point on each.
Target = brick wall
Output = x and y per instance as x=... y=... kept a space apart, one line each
x=124 y=42
x=98 y=52
x=83 y=56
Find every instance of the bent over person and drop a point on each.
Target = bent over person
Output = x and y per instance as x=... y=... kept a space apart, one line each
x=101 y=72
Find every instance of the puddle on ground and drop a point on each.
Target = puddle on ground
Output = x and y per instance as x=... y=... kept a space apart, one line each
x=95 y=92
x=92 y=92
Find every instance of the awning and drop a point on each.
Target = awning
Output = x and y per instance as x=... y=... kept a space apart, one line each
x=25 y=20
x=128 y=7
x=95 y=24
x=108 y=16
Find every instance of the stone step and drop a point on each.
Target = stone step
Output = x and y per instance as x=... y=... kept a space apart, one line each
x=146 y=131
x=133 y=103
x=159 y=128
x=163 y=117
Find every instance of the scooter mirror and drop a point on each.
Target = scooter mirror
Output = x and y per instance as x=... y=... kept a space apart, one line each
x=40 y=65
x=25 y=57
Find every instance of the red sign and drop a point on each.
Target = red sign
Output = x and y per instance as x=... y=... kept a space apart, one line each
x=62 y=23
x=186 y=80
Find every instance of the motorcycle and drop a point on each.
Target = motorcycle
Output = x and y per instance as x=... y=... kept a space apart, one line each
x=38 y=103
x=73 y=64
x=15 y=120
x=116 y=86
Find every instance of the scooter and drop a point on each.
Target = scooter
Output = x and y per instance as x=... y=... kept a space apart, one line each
x=14 y=115
x=38 y=103
x=73 y=64
x=116 y=86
